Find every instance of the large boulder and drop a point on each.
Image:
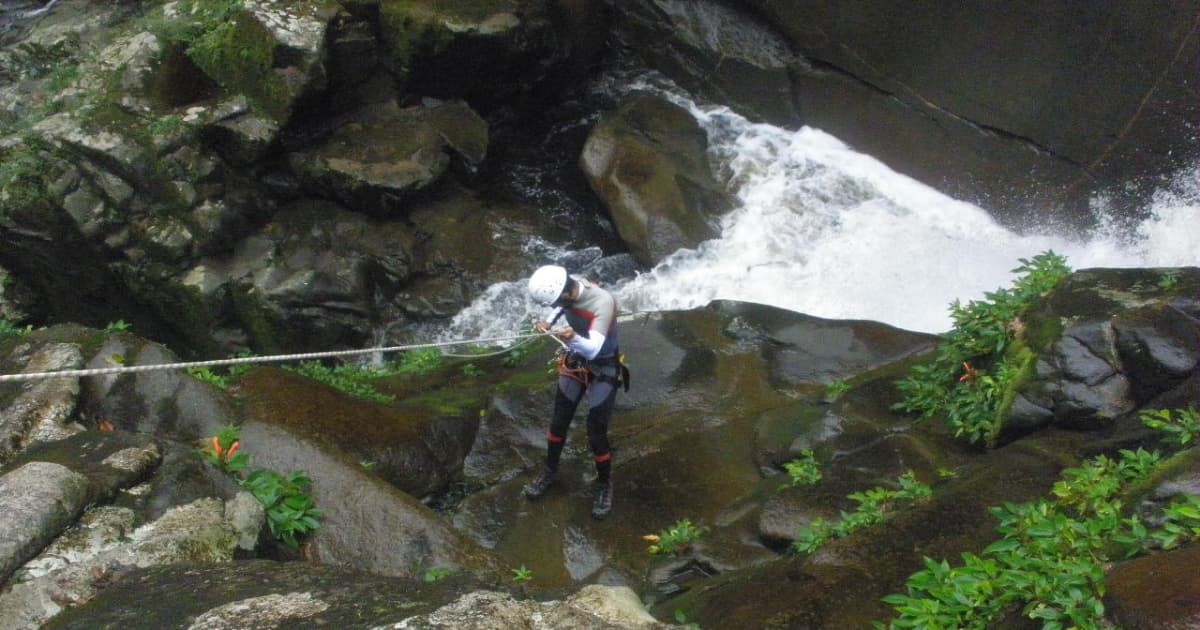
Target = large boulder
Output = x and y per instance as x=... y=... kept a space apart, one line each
x=275 y=595
x=307 y=279
x=647 y=161
x=366 y=522
x=45 y=490
x=416 y=445
x=513 y=49
x=105 y=545
x=39 y=410
x=1108 y=341
x=380 y=156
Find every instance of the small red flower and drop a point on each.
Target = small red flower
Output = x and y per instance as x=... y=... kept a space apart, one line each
x=968 y=372
x=232 y=447
x=216 y=442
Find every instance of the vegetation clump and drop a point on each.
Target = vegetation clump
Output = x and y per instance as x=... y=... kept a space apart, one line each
x=11 y=329
x=972 y=375
x=674 y=539
x=1049 y=562
x=356 y=380
x=873 y=507
x=804 y=470
x=290 y=510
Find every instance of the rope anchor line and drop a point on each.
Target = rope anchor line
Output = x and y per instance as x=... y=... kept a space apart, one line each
x=278 y=358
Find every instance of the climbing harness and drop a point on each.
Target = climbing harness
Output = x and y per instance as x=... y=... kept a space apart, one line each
x=573 y=366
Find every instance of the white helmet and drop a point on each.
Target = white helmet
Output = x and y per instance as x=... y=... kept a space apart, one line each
x=547 y=284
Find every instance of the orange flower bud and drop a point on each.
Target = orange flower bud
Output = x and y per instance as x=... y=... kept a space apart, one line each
x=216 y=445
x=232 y=447
x=968 y=372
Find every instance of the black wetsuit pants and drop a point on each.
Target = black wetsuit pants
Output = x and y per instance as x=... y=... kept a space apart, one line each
x=602 y=395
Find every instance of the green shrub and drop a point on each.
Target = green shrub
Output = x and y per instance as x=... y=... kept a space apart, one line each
x=351 y=379
x=221 y=450
x=522 y=574
x=803 y=471
x=674 y=539
x=1049 y=562
x=873 y=507
x=419 y=362
x=9 y=328
x=970 y=378
x=118 y=326
x=1180 y=425
x=289 y=508
x=834 y=390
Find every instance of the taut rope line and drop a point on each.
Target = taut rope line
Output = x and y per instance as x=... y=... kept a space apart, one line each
x=30 y=376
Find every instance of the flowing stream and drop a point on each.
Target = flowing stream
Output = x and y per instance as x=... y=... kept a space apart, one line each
x=828 y=231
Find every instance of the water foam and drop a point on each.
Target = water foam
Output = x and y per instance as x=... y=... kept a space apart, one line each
x=828 y=231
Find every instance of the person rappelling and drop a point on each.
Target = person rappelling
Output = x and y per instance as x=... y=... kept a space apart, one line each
x=591 y=363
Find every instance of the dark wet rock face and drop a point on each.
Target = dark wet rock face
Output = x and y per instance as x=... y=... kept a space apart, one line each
x=1110 y=340
x=1157 y=592
x=1014 y=132
x=316 y=276
x=262 y=592
x=381 y=154
x=419 y=448
x=367 y=523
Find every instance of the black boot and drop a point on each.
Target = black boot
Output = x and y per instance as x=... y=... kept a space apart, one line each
x=602 y=504
x=536 y=488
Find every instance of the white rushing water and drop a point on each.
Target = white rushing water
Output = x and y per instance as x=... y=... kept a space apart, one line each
x=828 y=231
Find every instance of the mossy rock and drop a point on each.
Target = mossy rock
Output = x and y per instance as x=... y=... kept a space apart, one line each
x=647 y=161
x=417 y=445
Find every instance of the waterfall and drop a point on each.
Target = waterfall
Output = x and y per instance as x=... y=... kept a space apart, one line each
x=824 y=230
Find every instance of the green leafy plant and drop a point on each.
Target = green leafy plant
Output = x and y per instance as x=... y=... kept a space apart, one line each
x=975 y=365
x=351 y=379
x=117 y=326
x=290 y=509
x=207 y=375
x=1168 y=281
x=517 y=352
x=472 y=370
x=222 y=380
x=1049 y=562
x=804 y=470
x=222 y=450
x=674 y=539
x=9 y=328
x=522 y=574
x=1180 y=425
x=420 y=361
x=433 y=574
x=874 y=505
x=681 y=619
x=834 y=390
x=1181 y=523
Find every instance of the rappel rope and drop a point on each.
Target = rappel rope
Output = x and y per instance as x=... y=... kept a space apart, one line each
x=278 y=358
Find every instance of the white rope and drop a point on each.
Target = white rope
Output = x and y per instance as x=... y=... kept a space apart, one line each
x=30 y=376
